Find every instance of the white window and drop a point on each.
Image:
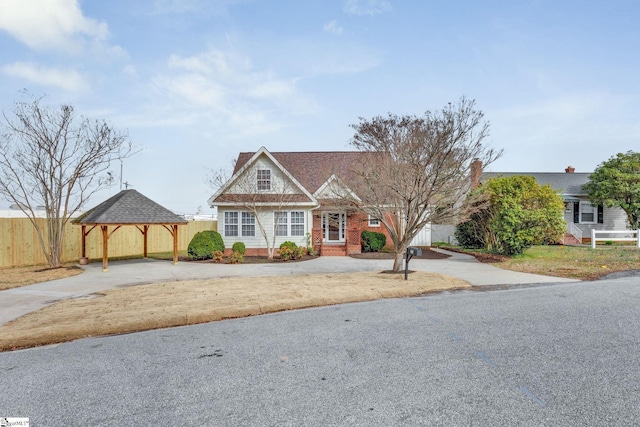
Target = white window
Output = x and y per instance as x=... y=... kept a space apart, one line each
x=248 y=224
x=280 y=223
x=289 y=223
x=264 y=180
x=373 y=222
x=297 y=223
x=231 y=223
x=588 y=213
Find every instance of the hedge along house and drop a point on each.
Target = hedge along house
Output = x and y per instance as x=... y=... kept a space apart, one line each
x=579 y=214
x=128 y=208
x=298 y=197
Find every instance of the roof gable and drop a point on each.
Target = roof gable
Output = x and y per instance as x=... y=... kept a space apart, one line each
x=244 y=163
x=129 y=207
x=334 y=188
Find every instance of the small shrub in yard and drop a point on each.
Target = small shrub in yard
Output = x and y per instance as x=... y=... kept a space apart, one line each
x=235 y=258
x=218 y=256
x=239 y=247
x=302 y=251
x=372 y=241
x=288 y=251
x=204 y=244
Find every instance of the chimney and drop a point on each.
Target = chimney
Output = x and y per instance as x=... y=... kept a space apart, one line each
x=570 y=169
x=475 y=173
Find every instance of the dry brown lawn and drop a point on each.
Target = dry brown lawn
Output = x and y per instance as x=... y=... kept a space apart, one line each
x=146 y=307
x=22 y=276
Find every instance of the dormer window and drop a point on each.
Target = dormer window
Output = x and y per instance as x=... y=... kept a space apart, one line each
x=264 y=180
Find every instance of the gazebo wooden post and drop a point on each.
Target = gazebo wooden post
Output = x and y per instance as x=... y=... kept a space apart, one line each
x=145 y=233
x=84 y=241
x=105 y=247
x=175 y=243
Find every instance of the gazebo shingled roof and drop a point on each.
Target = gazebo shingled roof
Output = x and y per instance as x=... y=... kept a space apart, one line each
x=128 y=207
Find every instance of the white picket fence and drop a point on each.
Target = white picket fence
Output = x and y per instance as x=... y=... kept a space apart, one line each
x=594 y=233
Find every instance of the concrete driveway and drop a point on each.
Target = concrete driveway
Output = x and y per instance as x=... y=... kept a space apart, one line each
x=20 y=301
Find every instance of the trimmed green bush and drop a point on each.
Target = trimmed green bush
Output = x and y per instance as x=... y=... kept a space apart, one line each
x=372 y=241
x=204 y=244
x=239 y=247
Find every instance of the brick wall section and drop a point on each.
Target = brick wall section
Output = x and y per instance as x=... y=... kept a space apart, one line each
x=360 y=221
x=355 y=221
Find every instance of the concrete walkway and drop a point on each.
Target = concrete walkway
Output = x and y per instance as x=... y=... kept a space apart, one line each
x=20 y=301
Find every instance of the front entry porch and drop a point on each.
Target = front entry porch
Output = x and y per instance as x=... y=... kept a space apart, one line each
x=332 y=235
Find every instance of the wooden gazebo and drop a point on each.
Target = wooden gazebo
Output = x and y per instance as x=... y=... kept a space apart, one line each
x=128 y=208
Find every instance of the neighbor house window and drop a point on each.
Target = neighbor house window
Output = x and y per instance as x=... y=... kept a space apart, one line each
x=231 y=223
x=264 y=180
x=587 y=212
x=248 y=224
x=280 y=223
x=297 y=223
x=373 y=222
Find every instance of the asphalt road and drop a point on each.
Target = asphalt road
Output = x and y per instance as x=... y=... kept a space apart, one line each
x=551 y=355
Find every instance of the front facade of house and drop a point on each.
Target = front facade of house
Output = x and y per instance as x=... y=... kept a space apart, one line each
x=292 y=196
x=580 y=214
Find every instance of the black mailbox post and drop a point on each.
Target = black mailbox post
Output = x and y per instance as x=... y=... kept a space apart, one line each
x=411 y=252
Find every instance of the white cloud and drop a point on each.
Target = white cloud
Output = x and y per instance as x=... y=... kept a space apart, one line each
x=367 y=7
x=66 y=79
x=51 y=24
x=333 y=28
x=225 y=91
x=130 y=70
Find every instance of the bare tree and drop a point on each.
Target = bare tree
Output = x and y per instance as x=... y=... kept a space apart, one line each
x=243 y=193
x=53 y=160
x=417 y=171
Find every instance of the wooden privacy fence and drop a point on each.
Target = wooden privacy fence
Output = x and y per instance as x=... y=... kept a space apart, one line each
x=19 y=243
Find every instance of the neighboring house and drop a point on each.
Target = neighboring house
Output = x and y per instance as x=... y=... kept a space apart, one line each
x=297 y=196
x=580 y=215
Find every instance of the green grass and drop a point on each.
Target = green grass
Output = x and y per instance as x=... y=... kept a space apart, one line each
x=577 y=262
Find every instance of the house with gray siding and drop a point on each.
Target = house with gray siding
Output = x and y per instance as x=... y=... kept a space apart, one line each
x=580 y=215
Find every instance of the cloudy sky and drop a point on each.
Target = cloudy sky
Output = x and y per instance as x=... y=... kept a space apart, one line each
x=196 y=81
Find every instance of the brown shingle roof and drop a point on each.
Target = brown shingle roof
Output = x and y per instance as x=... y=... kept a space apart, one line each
x=314 y=168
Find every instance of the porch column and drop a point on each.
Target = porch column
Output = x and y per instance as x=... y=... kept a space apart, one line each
x=105 y=247
x=145 y=234
x=175 y=244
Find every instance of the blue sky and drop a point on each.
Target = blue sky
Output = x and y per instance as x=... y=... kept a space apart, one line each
x=196 y=81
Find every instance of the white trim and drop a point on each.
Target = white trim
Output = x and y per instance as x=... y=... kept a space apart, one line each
x=342 y=226
x=615 y=239
x=239 y=224
x=376 y=222
x=581 y=211
x=290 y=223
x=263 y=180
